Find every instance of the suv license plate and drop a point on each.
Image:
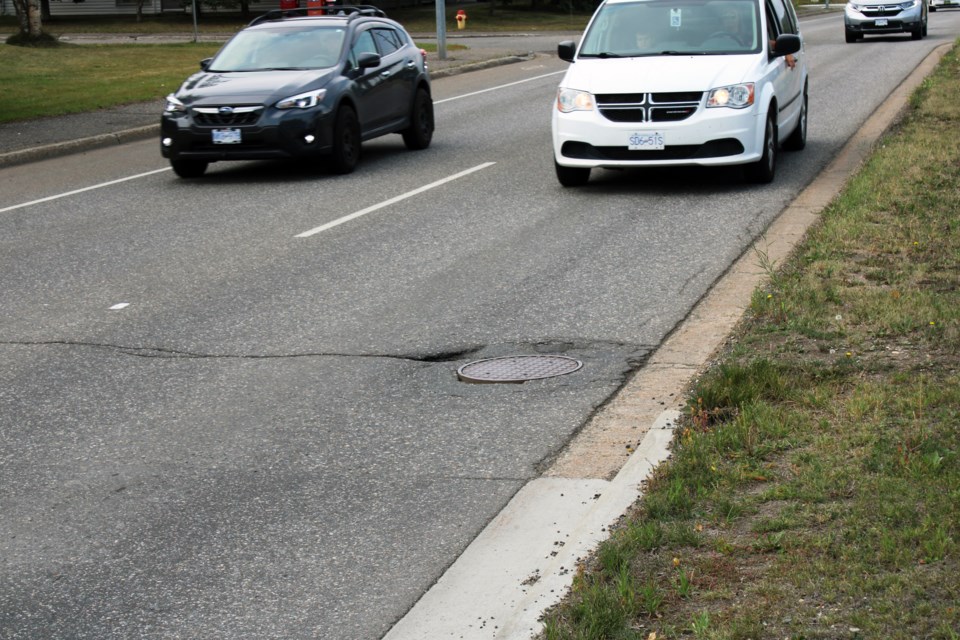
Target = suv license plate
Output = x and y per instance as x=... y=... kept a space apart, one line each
x=645 y=141
x=226 y=136
x=882 y=22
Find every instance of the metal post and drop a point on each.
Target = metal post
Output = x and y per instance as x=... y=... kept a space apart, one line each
x=441 y=29
x=196 y=37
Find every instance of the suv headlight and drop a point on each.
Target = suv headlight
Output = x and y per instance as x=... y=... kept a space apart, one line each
x=855 y=7
x=572 y=100
x=303 y=100
x=173 y=105
x=737 y=96
x=909 y=5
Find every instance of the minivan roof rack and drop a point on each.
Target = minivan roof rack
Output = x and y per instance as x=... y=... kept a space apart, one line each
x=342 y=10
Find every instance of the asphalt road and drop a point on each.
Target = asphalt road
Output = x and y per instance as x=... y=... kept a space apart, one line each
x=215 y=428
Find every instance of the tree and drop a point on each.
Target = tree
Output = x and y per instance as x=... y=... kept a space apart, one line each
x=30 y=20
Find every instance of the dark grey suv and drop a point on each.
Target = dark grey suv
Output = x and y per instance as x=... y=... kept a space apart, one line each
x=294 y=84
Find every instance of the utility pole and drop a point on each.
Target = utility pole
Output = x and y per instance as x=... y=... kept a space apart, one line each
x=441 y=29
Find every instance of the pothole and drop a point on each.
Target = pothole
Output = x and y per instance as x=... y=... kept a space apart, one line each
x=517 y=369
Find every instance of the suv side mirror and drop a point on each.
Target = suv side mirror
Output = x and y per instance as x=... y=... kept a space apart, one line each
x=368 y=60
x=786 y=43
x=566 y=50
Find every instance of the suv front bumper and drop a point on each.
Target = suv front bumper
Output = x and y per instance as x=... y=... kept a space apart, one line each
x=276 y=135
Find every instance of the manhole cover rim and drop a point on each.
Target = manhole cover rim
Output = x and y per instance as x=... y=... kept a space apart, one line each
x=569 y=365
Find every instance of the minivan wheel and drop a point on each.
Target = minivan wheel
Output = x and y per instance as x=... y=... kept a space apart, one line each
x=763 y=170
x=797 y=139
x=420 y=132
x=346 y=141
x=572 y=176
x=189 y=168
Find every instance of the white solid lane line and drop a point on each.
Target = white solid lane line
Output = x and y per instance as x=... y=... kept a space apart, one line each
x=502 y=86
x=76 y=191
x=394 y=200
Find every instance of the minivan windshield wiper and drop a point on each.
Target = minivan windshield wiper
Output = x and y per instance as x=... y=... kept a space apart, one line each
x=602 y=54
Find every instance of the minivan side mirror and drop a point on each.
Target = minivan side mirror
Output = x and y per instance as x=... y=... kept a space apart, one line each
x=786 y=43
x=205 y=63
x=566 y=50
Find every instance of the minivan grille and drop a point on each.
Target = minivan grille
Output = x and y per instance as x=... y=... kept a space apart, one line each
x=649 y=107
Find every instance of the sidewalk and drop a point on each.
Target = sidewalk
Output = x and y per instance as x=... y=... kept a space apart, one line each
x=32 y=140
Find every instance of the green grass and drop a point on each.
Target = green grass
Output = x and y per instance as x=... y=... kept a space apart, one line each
x=77 y=78
x=816 y=477
x=70 y=78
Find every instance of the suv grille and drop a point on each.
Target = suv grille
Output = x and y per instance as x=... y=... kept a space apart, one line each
x=226 y=116
x=649 y=107
x=879 y=10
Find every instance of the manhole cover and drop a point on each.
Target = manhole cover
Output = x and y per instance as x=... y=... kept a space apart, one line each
x=517 y=368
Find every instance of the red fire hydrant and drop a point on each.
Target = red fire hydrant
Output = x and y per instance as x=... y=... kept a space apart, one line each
x=461 y=19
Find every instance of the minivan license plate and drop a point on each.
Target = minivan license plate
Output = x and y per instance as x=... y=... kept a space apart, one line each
x=645 y=141
x=226 y=136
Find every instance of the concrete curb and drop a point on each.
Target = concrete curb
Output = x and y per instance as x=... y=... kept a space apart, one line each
x=58 y=149
x=524 y=561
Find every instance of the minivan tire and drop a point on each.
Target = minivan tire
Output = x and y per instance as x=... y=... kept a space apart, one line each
x=797 y=139
x=763 y=170
x=572 y=176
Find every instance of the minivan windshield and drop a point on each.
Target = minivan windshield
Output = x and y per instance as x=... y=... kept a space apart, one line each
x=673 y=27
x=309 y=47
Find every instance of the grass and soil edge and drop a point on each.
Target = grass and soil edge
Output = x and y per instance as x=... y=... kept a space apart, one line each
x=814 y=487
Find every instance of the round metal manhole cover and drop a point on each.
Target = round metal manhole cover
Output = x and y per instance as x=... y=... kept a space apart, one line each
x=517 y=368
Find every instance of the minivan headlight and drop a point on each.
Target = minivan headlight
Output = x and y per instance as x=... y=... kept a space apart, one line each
x=572 y=100
x=737 y=96
x=173 y=105
x=303 y=100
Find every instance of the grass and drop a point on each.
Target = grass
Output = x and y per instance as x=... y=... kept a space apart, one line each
x=53 y=81
x=79 y=78
x=814 y=487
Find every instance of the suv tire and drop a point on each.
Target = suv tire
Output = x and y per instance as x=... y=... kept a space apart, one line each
x=420 y=132
x=346 y=141
x=189 y=168
x=763 y=170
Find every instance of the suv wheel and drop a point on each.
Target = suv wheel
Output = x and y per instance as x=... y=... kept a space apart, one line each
x=346 y=141
x=572 y=176
x=851 y=36
x=420 y=132
x=798 y=138
x=189 y=168
x=763 y=170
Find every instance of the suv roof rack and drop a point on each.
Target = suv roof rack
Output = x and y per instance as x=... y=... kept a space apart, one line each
x=338 y=10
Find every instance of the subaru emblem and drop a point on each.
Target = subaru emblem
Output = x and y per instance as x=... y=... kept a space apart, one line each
x=225 y=110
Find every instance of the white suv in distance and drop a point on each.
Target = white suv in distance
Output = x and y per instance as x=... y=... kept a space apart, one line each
x=681 y=82
x=883 y=17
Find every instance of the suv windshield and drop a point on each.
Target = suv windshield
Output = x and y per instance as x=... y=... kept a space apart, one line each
x=310 y=47
x=672 y=27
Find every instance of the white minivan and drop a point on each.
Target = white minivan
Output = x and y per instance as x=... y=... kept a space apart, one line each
x=681 y=82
